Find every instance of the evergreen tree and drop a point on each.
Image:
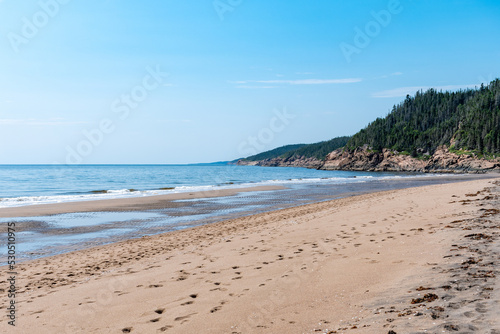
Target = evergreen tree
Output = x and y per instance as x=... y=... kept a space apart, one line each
x=430 y=119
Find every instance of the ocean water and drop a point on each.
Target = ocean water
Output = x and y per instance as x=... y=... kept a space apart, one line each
x=40 y=184
x=43 y=236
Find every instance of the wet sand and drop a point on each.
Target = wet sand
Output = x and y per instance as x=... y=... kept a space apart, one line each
x=408 y=261
x=123 y=204
x=78 y=225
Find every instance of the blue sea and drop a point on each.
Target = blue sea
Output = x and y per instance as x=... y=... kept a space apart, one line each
x=41 y=184
x=40 y=236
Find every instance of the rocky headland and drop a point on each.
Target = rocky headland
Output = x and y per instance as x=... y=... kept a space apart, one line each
x=284 y=162
x=442 y=161
x=366 y=159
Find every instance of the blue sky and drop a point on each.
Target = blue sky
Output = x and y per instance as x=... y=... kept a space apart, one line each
x=108 y=81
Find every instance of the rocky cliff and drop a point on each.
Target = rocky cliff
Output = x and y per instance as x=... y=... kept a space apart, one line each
x=365 y=159
x=284 y=162
x=442 y=161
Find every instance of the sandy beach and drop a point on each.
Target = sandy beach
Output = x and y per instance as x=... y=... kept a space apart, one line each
x=402 y=261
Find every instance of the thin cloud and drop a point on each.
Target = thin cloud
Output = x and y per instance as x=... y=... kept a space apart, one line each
x=385 y=76
x=9 y=121
x=175 y=120
x=255 y=87
x=302 y=81
x=33 y=121
x=312 y=81
x=403 y=91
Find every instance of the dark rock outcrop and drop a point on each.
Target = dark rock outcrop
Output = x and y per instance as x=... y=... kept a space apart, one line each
x=282 y=162
x=442 y=161
x=365 y=159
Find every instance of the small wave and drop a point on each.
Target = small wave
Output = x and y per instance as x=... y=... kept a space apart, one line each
x=124 y=193
x=121 y=191
x=98 y=192
x=118 y=191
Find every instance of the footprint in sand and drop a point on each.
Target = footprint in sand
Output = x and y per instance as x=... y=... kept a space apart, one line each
x=164 y=328
x=215 y=309
x=184 y=318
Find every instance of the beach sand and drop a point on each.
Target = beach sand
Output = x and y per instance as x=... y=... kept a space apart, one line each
x=408 y=261
x=123 y=204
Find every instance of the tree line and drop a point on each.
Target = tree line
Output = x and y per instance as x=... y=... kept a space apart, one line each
x=317 y=150
x=464 y=120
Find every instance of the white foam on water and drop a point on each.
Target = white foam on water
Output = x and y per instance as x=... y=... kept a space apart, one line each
x=127 y=193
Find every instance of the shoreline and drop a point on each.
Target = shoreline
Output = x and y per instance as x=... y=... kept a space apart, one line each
x=155 y=202
x=51 y=229
x=144 y=203
x=290 y=270
x=387 y=160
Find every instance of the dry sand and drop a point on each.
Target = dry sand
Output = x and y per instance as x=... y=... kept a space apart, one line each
x=405 y=261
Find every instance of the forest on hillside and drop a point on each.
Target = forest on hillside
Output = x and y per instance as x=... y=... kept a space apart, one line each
x=317 y=150
x=274 y=152
x=465 y=120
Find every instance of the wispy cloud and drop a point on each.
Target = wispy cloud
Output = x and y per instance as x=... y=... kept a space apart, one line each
x=255 y=87
x=175 y=120
x=301 y=81
x=33 y=121
x=403 y=91
x=312 y=81
x=389 y=75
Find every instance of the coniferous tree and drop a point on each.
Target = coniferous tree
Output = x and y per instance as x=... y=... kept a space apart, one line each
x=469 y=118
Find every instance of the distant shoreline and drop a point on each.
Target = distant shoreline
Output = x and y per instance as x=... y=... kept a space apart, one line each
x=365 y=159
